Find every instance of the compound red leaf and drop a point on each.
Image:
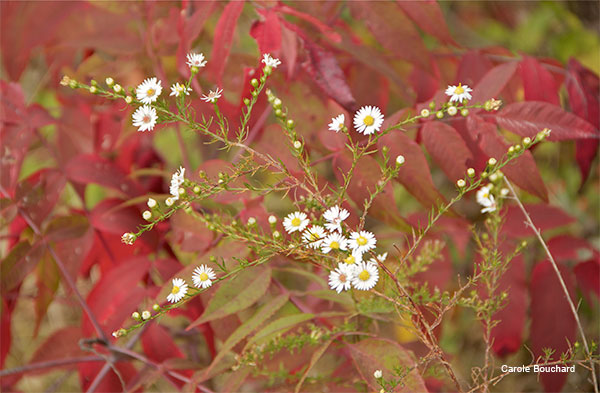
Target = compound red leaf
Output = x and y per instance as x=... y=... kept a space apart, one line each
x=91 y=168
x=267 y=33
x=223 y=38
x=529 y=118
x=544 y=217
x=427 y=15
x=393 y=30
x=493 y=82
x=583 y=87
x=538 y=82
x=522 y=171
x=327 y=74
x=447 y=148
x=547 y=331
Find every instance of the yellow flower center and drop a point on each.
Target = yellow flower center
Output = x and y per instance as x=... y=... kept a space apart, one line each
x=361 y=241
x=296 y=222
x=486 y=195
x=314 y=237
x=175 y=290
x=150 y=92
x=364 y=275
x=459 y=89
x=350 y=260
x=334 y=245
x=368 y=120
x=340 y=126
x=203 y=276
x=342 y=278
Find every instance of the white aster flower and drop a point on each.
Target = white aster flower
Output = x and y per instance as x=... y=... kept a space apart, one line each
x=296 y=221
x=178 y=89
x=314 y=236
x=212 y=96
x=176 y=181
x=144 y=118
x=334 y=241
x=365 y=276
x=378 y=374
x=340 y=278
x=179 y=290
x=368 y=120
x=362 y=241
x=148 y=91
x=486 y=199
x=334 y=217
x=195 y=60
x=337 y=123
x=382 y=257
x=459 y=93
x=203 y=276
x=354 y=258
x=270 y=61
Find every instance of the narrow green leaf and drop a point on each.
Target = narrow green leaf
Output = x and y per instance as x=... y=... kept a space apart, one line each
x=283 y=323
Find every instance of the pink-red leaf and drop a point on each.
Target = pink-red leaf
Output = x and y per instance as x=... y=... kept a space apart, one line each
x=522 y=171
x=544 y=217
x=427 y=15
x=588 y=278
x=538 y=82
x=327 y=74
x=552 y=323
x=447 y=148
x=529 y=118
x=267 y=32
x=493 y=82
x=91 y=168
x=223 y=38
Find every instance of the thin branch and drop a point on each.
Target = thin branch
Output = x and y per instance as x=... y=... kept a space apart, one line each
x=49 y=364
x=560 y=279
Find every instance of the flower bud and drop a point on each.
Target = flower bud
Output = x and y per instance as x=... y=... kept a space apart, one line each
x=452 y=111
x=169 y=202
x=254 y=82
x=432 y=105
x=461 y=183
x=129 y=99
x=110 y=81
x=196 y=190
x=378 y=374
x=251 y=221
x=246 y=101
x=156 y=307
x=439 y=114
x=147 y=215
x=65 y=81
x=291 y=124
x=277 y=103
x=151 y=203
x=464 y=112
x=297 y=145
x=93 y=90
x=277 y=235
x=272 y=220
x=117 y=88
x=492 y=161
x=526 y=141
x=471 y=172
x=136 y=315
x=146 y=315
x=400 y=160
x=425 y=112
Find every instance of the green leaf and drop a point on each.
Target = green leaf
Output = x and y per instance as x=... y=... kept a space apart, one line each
x=264 y=313
x=236 y=294
x=283 y=323
x=22 y=259
x=68 y=227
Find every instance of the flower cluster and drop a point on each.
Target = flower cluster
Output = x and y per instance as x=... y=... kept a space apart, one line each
x=330 y=237
x=367 y=120
x=202 y=277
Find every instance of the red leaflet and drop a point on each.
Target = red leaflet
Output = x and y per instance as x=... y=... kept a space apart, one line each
x=223 y=38
x=552 y=323
x=447 y=148
x=583 y=87
x=588 y=279
x=544 y=217
x=91 y=168
x=523 y=170
x=473 y=66
x=507 y=335
x=415 y=174
x=62 y=344
x=567 y=248
x=323 y=28
x=327 y=74
x=394 y=31
x=267 y=33
x=538 y=82
x=493 y=82
x=529 y=118
x=39 y=193
x=111 y=382
x=159 y=346
x=428 y=16
x=189 y=25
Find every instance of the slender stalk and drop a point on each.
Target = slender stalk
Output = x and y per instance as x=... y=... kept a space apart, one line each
x=49 y=364
x=560 y=279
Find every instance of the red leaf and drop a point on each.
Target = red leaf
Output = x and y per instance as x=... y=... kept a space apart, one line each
x=116 y=295
x=567 y=248
x=158 y=344
x=189 y=234
x=583 y=87
x=223 y=38
x=267 y=33
x=91 y=168
x=529 y=118
x=327 y=74
x=428 y=16
x=61 y=344
x=38 y=194
x=473 y=66
x=493 y=82
x=188 y=29
x=523 y=170
x=415 y=174
x=327 y=31
x=507 y=335
x=543 y=216
x=424 y=84
x=538 y=82
x=552 y=323
x=111 y=382
x=447 y=148
x=393 y=30
x=588 y=278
